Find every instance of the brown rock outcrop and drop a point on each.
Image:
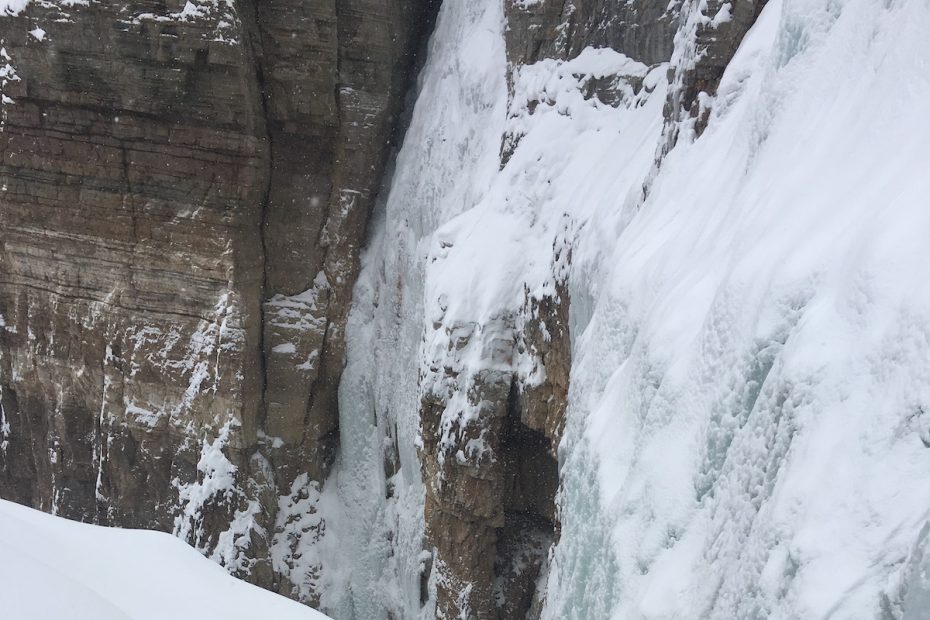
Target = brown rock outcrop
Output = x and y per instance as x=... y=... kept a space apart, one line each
x=642 y=29
x=711 y=32
x=489 y=455
x=490 y=512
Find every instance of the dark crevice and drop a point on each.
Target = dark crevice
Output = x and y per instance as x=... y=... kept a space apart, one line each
x=329 y=441
x=255 y=53
x=426 y=20
x=401 y=122
x=531 y=479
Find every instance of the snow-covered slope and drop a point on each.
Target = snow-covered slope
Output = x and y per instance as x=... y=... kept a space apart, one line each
x=54 y=568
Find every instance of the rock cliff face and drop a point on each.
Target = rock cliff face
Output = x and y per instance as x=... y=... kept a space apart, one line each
x=134 y=162
x=334 y=75
x=186 y=188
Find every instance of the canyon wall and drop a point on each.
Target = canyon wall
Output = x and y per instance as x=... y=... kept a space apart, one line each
x=496 y=309
x=186 y=188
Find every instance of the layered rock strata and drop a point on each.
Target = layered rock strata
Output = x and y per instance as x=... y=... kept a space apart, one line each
x=185 y=190
x=644 y=30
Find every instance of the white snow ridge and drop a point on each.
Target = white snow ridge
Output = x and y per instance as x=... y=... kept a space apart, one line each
x=51 y=568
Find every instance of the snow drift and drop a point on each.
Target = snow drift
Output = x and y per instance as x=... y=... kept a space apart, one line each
x=54 y=568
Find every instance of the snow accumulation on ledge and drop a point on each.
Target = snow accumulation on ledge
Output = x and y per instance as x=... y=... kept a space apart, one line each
x=54 y=568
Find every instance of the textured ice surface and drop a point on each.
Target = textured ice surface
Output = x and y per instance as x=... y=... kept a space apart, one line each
x=750 y=383
x=449 y=155
x=747 y=428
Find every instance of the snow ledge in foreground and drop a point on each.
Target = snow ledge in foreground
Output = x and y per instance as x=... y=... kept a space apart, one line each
x=55 y=568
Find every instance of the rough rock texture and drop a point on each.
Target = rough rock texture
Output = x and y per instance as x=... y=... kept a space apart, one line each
x=334 y=75
x=134 y=159
x=709 y=36
x=489 y=455
x=185 y=187
x=641 y=29
x=490 y=511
